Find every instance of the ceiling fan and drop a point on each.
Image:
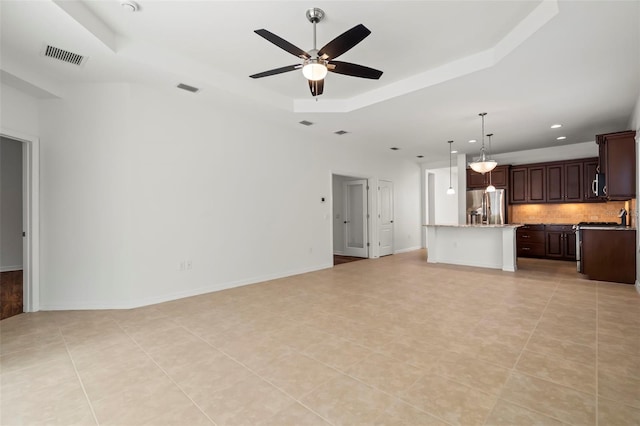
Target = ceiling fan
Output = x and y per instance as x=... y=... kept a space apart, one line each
x=316 y=63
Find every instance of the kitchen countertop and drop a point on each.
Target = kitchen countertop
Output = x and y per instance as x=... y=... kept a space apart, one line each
x=608 y=228
x=508 y=225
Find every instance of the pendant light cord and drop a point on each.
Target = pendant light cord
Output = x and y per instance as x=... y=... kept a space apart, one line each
x=482 y=155
x=450 y=142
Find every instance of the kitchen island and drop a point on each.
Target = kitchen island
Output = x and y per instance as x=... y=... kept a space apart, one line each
x=486 y=246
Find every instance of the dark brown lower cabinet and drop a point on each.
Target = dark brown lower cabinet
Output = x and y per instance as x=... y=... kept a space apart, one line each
x=609 y=255
x=560 y=242
x=530 y=241
x=546 y=241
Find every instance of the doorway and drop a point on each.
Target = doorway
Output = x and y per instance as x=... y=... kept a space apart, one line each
x=350 y=217
x=11 y=217
x=24 y=241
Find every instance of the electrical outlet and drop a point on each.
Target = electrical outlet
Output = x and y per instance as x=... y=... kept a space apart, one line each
x=189 y=264
x=182 y=265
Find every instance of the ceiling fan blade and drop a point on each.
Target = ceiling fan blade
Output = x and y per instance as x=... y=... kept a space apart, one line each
x=282 y=43
x=316 y=87
x=277 y=71
x=344 y=42
x=354 y=70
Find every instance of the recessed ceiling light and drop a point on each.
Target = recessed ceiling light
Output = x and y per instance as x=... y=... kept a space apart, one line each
x=420 y=156
x=341 y=132
x=556 y=126
x=454 y=152
x=473 y=141
x=306 y=123
x=395 y=148
x=561 y=138
x=129 y=6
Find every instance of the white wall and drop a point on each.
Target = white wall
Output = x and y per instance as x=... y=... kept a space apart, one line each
x=541 y=155
x=10 y=205
x=134 y=181
x=18 y=111
x=445 y=206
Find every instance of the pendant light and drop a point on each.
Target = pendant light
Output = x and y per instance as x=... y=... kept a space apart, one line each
x=483 y=164
x=490 y=188
x=450 y=191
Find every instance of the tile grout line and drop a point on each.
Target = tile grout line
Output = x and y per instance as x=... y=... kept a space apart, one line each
x=267 y=380
x=396 y=398
x=84 y=391
x=165 y=373
x=515 y=364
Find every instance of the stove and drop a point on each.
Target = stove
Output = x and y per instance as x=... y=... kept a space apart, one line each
x=582 y=224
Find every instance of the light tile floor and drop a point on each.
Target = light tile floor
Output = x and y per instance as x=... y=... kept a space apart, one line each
x=383 y=342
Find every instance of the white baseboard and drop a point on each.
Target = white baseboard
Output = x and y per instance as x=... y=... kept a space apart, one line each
x=338 y=253
x=131 y=304
x=406 y=250
x=10 y=268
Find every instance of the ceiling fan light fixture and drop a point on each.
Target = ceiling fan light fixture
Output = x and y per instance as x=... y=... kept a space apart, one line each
x=314 y=69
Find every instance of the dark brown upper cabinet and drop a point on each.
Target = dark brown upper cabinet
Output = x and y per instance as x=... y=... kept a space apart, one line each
x=499 y=178
x=618 y=164
x=536 y=184
x=518 y=187
x=527 y=184
x=565 y=182
x=553 y=182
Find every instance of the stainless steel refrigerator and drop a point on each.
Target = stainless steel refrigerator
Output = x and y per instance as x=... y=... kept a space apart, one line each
x=487 y=208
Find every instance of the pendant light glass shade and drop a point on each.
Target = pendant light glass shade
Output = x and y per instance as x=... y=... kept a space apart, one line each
x=483 y=164
x=450 y=191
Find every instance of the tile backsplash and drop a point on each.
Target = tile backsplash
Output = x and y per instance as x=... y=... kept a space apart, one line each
x=571 y=213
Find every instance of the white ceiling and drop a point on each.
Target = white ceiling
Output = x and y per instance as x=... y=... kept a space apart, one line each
x=529 y=64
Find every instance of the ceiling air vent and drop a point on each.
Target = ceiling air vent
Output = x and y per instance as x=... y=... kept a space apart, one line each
x=64 y=55
x=306 y=123
x=341 y=132
x=188 y=88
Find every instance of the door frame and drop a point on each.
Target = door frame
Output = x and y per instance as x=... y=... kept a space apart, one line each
x=30 y=217
x=372 y=202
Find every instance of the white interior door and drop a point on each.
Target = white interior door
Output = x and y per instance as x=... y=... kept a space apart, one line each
x=355 y=218
x=385 y=217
